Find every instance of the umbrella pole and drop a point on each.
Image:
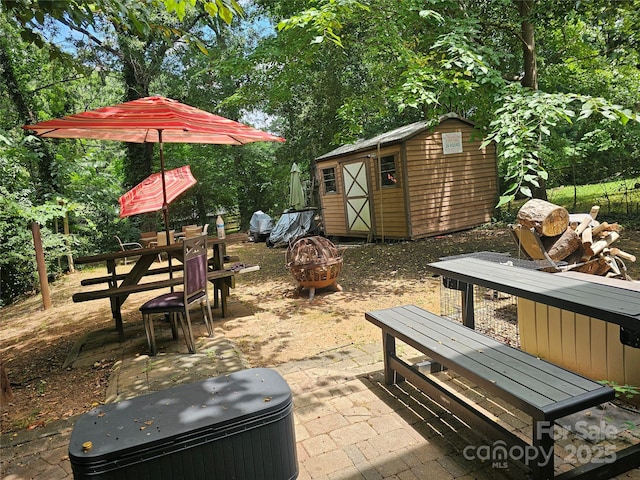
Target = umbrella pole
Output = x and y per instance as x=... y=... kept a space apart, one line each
x=165 y=206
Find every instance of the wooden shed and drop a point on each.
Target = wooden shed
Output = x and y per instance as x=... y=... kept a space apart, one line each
x=416 y=181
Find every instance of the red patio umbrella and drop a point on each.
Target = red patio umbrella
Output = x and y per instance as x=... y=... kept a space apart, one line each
x=152 y=120
x=149 y=195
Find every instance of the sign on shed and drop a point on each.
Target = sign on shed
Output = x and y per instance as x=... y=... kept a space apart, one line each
x=451 y=143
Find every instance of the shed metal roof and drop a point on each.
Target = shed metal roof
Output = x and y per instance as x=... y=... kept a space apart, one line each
x=393 y=136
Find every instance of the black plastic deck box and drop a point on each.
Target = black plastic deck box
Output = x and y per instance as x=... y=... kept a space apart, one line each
x=237 y=426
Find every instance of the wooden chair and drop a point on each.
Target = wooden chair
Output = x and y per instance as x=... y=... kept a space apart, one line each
x=194 y=231
x=150 y=240
x=127 y=246
x=162 y=237
x=162 y=241
x=179 y=303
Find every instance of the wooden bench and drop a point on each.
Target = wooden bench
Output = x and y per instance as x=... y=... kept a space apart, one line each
x=121 y=276
x=222 y=279
x=538 y=388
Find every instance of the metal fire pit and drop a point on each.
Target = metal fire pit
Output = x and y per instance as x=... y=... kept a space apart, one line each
x=314 y=262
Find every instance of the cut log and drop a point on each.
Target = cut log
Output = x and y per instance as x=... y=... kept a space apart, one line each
x=586 y=221
x=603 y=266
x=605 y=227
x=599 y=267
x=576 y=219
x=600 y=228
x=547 y=219
x=575 y=257
x=600 y=245
x=587 y=240
x=561 y=246
x=594 y=211
x=616 y=252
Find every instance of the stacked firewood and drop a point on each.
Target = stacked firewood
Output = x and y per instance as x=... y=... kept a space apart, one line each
x=579 y=241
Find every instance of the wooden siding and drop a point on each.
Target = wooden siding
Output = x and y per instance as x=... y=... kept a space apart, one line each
x=450 y=192
x=585 y=345
x=333 y=215
x=389 y=209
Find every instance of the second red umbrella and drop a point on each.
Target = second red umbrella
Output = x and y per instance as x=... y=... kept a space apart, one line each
x=149 y=196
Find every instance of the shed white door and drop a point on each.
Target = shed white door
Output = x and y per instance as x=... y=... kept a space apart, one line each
x=357 y=197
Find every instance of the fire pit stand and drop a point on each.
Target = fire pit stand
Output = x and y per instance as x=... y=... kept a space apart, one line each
x=314 y=262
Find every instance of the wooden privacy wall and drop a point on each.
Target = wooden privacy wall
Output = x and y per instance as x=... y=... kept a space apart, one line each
x=582 y=344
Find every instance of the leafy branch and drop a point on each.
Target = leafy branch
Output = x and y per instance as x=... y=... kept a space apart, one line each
x=325 y=20
x=529 y=116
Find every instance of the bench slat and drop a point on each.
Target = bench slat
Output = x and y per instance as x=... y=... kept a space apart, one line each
x=143 y=287
x=515 y=367
x=570 y=383
x=443 y=350
x=122 y=276
x=520 y=378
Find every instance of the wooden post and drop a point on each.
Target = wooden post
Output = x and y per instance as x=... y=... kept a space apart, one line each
x=56 y=228
x=67 y=241
x=6 y=394
x=42 y=267
x=468 y=314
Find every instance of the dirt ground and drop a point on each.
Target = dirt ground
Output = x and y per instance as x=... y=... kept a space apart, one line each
x=284 y=326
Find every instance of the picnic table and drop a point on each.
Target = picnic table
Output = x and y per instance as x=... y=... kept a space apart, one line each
x=612 y=303
x=121 y=285
x=540 y=389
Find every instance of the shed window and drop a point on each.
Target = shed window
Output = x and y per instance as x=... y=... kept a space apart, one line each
x=388 y=170
x=329 y=180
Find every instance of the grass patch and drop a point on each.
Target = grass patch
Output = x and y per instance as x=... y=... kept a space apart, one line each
x=621 y=197
x=619 y=201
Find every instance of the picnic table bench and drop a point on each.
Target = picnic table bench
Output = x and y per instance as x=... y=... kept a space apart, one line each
x=127 y=290
x=538 y=388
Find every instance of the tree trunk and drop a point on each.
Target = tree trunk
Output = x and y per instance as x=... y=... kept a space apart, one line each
x=530 y=67
x=138 y=164
x=549 y=220
x=527 y=32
